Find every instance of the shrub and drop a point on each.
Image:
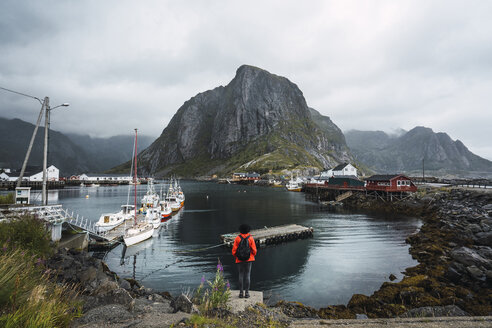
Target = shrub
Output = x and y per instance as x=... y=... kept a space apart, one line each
x=216 y=295
x=7 y=199
x=27 y=233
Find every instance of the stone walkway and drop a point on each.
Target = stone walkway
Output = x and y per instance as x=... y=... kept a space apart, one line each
x=461 y=322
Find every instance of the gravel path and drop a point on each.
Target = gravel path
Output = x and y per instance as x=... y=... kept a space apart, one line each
x=465 y=322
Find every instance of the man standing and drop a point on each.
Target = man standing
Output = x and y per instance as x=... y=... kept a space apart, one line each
x=244 y=250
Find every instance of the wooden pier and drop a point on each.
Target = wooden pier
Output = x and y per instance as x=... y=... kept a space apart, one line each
x=113 y=237
x=272 y=235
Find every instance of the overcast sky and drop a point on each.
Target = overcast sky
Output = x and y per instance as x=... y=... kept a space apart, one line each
x=368 y=65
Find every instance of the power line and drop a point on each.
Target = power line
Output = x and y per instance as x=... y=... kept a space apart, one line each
x=22 y=94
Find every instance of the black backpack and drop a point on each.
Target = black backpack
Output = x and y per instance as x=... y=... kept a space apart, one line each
x=243 y=252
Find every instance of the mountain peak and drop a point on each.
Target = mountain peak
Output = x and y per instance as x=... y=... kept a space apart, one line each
x=421 y=129
x=248 y=68
x=258 y=118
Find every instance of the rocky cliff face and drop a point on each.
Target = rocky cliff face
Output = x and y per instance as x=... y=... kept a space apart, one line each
x=405 y=153
x=259 y=121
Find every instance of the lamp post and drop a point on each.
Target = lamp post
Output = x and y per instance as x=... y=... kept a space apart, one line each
x=45 y=156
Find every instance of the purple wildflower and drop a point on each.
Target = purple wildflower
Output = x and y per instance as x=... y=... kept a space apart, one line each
x=220 y=267
x=203 y=279
x=228 y=285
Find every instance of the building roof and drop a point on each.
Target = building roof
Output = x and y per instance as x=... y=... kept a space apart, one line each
x=106 y=175
x=353 y=177
x=340 y=167
x=383 y=177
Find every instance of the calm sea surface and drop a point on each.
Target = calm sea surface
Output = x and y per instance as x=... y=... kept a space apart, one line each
x=349 y=253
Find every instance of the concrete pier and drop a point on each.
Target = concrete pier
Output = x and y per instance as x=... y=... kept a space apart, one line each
x=273 y=235
x=237 y=304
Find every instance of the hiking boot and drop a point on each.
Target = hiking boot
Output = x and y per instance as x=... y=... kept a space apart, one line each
x=246 y=295
x=241 y=295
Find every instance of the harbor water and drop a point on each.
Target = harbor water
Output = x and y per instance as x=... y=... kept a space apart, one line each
x=349 y=252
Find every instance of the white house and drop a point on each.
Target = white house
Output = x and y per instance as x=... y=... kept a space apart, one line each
x=104 y=177
x=53 y=174
x=340 y=170
x=4 y=176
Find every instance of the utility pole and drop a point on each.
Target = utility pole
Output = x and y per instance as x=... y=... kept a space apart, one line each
x=423 y=171
x=19 y=180
x=45 y=156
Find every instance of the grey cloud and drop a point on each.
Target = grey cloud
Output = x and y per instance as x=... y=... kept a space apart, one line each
x=374 y=66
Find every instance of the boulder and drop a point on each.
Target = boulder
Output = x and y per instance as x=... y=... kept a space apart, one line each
x=87 y=275
x=484 y=238
x=125 y=284
x=468 y=257
x=182 y=303
x=476 y=273
x=107 y=314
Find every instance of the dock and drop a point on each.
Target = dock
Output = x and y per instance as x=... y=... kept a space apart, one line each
x=112 y=237
x=272 y=235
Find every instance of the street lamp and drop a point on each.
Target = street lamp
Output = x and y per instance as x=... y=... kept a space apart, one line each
x=44 y=194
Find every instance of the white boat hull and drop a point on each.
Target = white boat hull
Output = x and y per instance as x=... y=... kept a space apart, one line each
x=137 y=234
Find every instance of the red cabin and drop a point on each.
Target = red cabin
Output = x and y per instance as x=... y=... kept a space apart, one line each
x=390 y=183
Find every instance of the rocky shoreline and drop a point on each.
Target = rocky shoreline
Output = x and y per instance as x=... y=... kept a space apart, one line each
x=453 y=277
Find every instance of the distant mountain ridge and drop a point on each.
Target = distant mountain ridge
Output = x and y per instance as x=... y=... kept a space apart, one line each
x=414 y=150
x=258 y=122
x=71 y=153
x=106 y=153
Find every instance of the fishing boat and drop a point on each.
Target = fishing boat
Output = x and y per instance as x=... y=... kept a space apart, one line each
x=293 y=185
x=166 y=210
x=151 y=198
x=143 y=230
x=153 y=216
x=174 y=203
x=109 y=221
x=172 y=197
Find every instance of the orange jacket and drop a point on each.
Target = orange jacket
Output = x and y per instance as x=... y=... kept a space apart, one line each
x=252 y=247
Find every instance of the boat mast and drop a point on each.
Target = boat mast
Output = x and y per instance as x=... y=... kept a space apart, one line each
x=129 y=184
x=135 y=176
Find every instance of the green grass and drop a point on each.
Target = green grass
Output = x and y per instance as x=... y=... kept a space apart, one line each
x=28 y=295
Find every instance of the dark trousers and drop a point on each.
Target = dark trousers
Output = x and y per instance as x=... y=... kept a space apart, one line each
x=244 y=269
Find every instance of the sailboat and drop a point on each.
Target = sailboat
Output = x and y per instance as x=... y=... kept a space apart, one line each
x=109 y=221
x=140 y=231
